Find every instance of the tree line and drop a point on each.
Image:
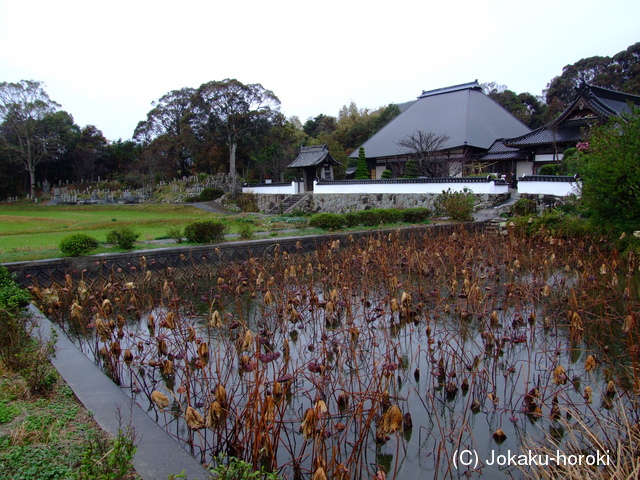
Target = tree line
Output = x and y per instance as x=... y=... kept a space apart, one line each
x=227 y=126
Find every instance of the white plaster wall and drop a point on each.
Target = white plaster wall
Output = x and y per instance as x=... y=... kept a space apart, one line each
x=272 y=189
x=409 y=188
x=559 y=189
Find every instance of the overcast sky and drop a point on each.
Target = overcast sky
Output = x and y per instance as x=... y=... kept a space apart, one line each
x=106 y=61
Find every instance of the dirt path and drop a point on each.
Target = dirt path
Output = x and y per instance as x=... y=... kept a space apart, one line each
x=209 y=207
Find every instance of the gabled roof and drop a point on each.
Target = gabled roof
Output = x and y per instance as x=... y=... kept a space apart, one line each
x=570 y=131
x=591 y=104
x=312 y=157
x=461 y=112
x=608 y=102
x=499 y=151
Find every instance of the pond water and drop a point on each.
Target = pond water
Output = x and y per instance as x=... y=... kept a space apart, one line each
x=381 y=355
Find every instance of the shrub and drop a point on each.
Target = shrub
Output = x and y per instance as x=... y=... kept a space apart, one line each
x=351 y=219
x=18 y=350
x=78 y=244
x=208 y=194
x=386 y=174
x=175 y=233
x=247 y=202
x=245 y=230
x=124 y=237
x=12 y=297
x=554 y=222
x=411 y=169
x=327 y=221
x=550 y=169
x=415 y=215
x=389 y=215
x=524 y=206
x=205 y=231
x=455 y=205
x=369 y=218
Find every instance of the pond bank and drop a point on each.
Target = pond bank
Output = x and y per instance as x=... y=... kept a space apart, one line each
x=181 y=260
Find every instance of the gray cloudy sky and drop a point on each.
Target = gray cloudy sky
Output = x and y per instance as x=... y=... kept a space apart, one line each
x=106 y=61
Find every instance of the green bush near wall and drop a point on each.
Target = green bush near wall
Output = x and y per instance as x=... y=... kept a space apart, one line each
x=78 y=244
x=205 y=231
x=369 y=218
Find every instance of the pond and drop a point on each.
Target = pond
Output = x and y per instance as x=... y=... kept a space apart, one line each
x=430 y=357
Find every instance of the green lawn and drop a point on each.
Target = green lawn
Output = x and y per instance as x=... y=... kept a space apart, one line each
x=29 y=232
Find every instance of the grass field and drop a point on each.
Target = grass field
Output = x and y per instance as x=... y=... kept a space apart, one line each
x=33 y=232
x=30 y=232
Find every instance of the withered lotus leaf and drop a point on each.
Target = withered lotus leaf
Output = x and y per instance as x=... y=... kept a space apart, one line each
x=215 y=320
x=193 y=418
x=559 y=375
x=128 y=356
x=309 y=422
x=499 y=436
x=170 y=321
x=160 y=399
x=590 y=363
x=215 y=415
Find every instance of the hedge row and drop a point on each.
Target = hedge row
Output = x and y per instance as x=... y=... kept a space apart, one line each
x=369 y=218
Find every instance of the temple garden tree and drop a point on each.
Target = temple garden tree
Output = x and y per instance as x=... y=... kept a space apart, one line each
x=422 y=147
x=26 y=137
x=232 y=111
x=169 y=126
x=611 y=174
x=411 y=169
x=362 y=172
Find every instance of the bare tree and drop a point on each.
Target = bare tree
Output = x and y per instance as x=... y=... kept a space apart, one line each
x=423 y=147
x=24 y=136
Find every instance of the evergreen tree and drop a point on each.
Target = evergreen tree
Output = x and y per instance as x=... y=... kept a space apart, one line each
x=411 y=170
x=362 y=172
x=611 y=175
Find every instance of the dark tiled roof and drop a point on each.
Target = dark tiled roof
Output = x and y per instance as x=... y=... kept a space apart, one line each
x=564 y=129
x=312 y=156
x=462 y=112
x=570 y=131
x=499 y=151
x=547 y=178
x=609 y=102
x=415 y=180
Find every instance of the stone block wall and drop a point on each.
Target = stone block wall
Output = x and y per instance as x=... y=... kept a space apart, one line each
x=343 y=203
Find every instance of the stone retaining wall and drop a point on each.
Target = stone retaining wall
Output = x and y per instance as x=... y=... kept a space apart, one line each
x=343 y=203
x=184 y=263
